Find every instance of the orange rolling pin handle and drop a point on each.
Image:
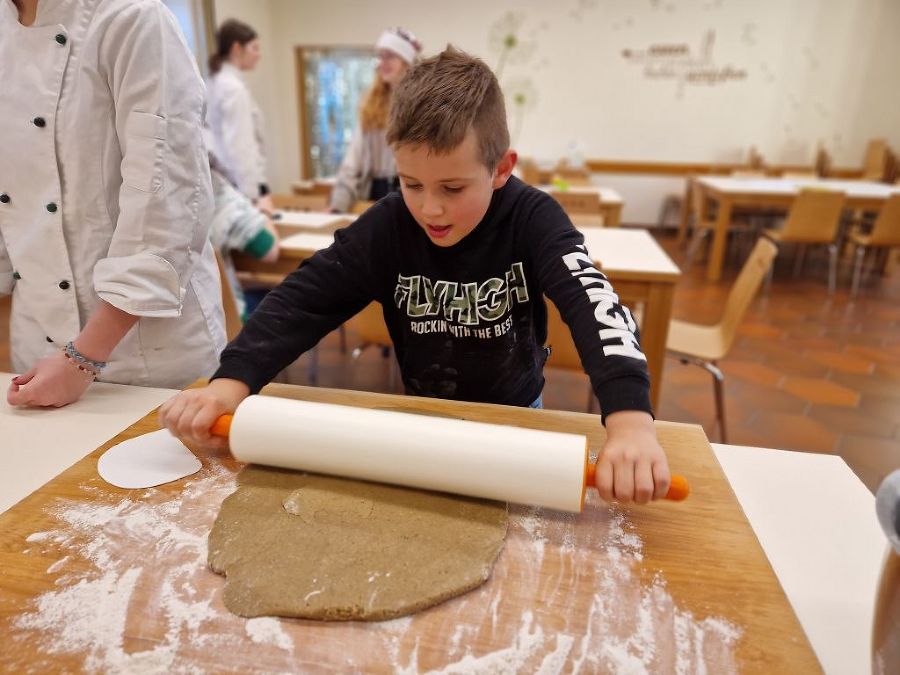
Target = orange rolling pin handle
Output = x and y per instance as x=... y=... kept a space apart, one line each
x=222 y=426
x=679 y=489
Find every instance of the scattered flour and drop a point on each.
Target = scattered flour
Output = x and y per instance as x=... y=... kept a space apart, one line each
x=265 y=629
x=88 y=612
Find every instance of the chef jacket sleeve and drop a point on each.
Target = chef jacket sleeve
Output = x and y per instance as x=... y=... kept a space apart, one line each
x=6 y=270
x=165 y=197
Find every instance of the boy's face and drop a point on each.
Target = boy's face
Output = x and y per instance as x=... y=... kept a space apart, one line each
x=448 y=194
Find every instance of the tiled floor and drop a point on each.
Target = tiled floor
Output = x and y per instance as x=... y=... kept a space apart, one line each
x=806 y=373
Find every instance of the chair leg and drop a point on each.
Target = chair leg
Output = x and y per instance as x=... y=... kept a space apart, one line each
x=313 y=365
x=832 y=268
x=719 y=389
x=857 y=270
x=799 y=259
x=697 y=239
x=591 y=399
x=342 y=333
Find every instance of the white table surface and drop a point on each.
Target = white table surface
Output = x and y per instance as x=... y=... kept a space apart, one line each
x=607 y=195
x=312 y=220
x=38 y=444
x=790 y=186
x=621 y=249
x=616 y=249
x=816 y=522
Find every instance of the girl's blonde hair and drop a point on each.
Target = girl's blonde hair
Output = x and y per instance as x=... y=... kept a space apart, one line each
x=373 y=113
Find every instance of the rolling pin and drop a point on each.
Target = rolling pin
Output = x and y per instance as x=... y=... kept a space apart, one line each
x=525 y=466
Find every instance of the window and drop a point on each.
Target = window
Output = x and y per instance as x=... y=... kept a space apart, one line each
x=332 y=82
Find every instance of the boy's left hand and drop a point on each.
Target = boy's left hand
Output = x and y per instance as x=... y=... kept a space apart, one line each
x=632 y=466
x=53 y=381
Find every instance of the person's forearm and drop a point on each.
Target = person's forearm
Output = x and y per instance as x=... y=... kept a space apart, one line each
x=103 y=331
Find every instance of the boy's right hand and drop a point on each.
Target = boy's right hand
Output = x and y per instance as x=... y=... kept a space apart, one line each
x=191 y=414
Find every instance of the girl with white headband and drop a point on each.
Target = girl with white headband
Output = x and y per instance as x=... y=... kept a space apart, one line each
x=368 y=170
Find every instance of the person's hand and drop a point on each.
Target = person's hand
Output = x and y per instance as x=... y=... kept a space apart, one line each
x=191 y=414
x=632 y=465
x=265 y=205
x=54 y=381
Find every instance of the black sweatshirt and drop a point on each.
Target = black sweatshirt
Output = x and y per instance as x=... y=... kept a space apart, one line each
x=468 y=322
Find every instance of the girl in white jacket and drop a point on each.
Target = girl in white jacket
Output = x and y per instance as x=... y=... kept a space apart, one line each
x=105 y=200
x=234 y=119
x=368 y=170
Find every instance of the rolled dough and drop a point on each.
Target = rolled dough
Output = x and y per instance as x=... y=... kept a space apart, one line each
x=319 y=547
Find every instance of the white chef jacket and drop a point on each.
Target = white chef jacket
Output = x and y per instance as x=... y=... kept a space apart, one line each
x=105 y=189
x=236 y=125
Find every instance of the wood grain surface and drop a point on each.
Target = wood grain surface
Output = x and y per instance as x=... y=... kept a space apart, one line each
x=95 y=578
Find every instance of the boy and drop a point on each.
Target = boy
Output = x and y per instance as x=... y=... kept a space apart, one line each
x=459 y=263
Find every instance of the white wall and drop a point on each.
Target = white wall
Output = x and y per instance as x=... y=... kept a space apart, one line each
x=816 y=71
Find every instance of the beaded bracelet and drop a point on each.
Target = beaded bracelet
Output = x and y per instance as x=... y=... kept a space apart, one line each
x=82 y=360
x=90 y=373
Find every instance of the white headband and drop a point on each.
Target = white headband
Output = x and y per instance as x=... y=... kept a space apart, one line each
x=400 y=46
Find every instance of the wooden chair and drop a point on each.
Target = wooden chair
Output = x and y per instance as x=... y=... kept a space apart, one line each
x=876 y=162
x=563 y=353
x=370 y=327
x=885 y=235
x=577 y=202
x=814 y=218
x=705 y=346
x=529 y=171
x=361 y=206
x=233 y=323
x=800 y=175
x=309 y=202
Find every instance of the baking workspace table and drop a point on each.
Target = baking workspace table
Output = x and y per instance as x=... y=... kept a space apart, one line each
x=668 y=587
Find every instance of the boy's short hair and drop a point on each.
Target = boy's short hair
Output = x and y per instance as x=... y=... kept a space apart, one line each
x=441 y=97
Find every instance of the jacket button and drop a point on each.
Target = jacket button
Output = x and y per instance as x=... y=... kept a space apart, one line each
x=64 y=285
x=16 y=276
x=39 y=122
x=4 y=198
x=61 y=39
x=51 y=207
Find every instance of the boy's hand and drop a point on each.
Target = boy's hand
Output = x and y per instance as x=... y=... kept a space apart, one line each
x=191 y=414
x=53 y=381
x=632 y=465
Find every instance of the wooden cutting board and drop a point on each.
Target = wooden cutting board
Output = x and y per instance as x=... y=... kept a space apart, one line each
x=98 y=578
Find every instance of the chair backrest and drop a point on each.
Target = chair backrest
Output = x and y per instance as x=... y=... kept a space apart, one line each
x=233 y=323
x=530 y=172
x=699 y=204
x=876 y=159
x=745 y=287
x=361 y=206
x=563 y=353
x=800 y=175
x=886 y=231
x=309 y=202
x=748 y=173
x=577 y=202
x=369 y=325
x=814 y=217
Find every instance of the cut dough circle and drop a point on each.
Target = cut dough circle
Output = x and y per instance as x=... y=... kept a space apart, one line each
x=320 y=547
x=147 y=461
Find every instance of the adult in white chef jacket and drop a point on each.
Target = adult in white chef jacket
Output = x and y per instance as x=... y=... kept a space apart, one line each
x=234 y=119
x=105 y=199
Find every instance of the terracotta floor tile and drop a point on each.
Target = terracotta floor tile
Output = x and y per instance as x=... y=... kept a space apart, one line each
x=757 y=373
x=870 y=458
x=823 y=392
x=761 y=330
x=794 y=366
x=853 y=421
x=787 y=432
x=866 y=384
x=841 y=361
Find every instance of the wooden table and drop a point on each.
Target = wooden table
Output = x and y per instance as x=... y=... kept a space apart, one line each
x=293 y=222
x=639 y=269
x=611 y=204
x=769 y=193
x=114 y=580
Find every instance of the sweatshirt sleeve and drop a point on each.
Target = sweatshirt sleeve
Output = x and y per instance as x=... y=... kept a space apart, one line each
x=603 y=329
x=313 y=300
